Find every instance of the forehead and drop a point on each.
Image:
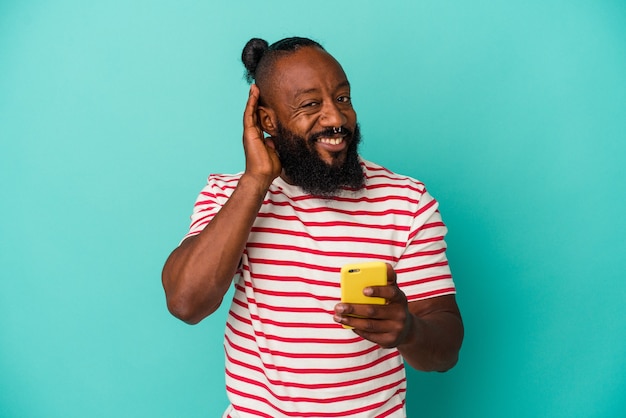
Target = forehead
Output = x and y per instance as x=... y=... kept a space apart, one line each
x=308 y=69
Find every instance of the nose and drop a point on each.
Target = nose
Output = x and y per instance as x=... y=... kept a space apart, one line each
x=332 y=116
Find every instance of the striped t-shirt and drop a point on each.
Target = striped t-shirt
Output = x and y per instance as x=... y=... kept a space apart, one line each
x=285 y=356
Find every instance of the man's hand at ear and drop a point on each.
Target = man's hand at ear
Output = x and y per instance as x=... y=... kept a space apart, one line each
x=262 y=162
x=199 y=272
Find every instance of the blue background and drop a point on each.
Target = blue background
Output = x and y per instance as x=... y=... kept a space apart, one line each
x=113 y=113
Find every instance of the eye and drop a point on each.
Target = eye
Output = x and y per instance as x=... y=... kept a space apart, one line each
x=344 y=99
x=310 y=104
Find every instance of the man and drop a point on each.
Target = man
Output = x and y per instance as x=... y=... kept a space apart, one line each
x=305 y=205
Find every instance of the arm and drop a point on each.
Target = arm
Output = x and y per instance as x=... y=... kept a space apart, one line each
x=433 y=339
x=428 y=333
x=198 y=273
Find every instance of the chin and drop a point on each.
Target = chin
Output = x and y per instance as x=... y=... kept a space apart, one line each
x=335 y=159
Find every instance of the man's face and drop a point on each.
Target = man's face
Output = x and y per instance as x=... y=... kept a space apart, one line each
x=316 y=124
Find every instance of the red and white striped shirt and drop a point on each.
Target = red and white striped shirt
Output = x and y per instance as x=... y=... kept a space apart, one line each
x=285 y=356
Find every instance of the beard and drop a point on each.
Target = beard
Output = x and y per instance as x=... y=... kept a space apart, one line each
x=305 y=168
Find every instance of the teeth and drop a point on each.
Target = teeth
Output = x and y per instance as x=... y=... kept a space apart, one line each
x=331 y=141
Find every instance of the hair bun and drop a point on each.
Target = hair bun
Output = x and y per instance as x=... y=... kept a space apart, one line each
x=251 y=55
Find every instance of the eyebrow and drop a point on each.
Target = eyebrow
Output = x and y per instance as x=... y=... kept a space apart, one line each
x=299 y=93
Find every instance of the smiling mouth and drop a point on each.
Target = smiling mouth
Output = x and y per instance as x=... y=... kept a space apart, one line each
x=330 y=141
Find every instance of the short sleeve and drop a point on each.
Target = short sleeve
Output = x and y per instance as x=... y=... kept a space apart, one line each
x=423 y=271
x=210 y=200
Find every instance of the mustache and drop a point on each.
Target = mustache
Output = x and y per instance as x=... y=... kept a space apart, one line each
x=331 y=132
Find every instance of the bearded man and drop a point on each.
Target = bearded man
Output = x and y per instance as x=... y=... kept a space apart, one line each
x=306 y=204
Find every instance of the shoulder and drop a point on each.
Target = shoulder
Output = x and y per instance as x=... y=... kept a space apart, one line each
x=223 y=181
x=379 y=177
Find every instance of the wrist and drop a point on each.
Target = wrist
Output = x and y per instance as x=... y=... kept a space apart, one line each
x=411 y=332
x=255 y=184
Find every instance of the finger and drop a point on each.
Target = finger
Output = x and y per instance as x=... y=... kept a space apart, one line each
x=368 y=327
x=250 y=112
x=355 y=322
x=385 y=332
x=270 y=143
x=384 y=339
x=390 y=292
x=375 y=312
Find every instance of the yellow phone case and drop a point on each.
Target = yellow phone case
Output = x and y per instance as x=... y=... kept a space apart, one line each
x=356 y=277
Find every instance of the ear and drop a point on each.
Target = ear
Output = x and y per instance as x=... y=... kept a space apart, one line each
x=267 y=119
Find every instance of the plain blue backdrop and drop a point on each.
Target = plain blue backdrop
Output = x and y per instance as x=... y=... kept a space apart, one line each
x=113 y=113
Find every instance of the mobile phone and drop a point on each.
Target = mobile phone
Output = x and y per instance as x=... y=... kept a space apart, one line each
x=358 y=276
